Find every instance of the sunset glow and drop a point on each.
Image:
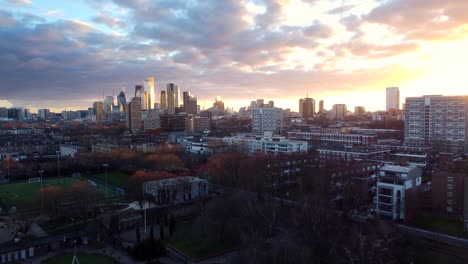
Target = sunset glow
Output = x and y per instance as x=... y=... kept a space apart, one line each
x=337 y=51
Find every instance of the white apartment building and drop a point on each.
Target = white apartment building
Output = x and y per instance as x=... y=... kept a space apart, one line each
x=396 y=187
x=267 y=143
x=267 y=119
x=437 y=120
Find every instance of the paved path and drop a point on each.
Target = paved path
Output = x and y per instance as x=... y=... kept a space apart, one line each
x=457 y=241
x=36 y=231
x=119 y=255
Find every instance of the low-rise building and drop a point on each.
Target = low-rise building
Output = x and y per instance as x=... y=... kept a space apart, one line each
x=267 y=143
x=397 y=188
x=176 y=190
x=71 y=150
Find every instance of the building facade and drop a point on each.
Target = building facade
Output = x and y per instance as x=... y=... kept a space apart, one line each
x=147 y=101
x=173 y=97
x=267 y=119
x=133 y=115
x=338 y=112
x=307 y=107
x=267 y=143
x=397 y=188
x=440 y=121
x=392 y=98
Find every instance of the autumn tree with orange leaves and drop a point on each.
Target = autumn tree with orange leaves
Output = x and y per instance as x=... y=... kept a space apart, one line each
x=51 y=198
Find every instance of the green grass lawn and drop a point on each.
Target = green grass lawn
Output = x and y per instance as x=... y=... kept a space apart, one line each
x=82 y=258
x=205 y=246
x=24 y=194
x=115 y=178
x=441 y=225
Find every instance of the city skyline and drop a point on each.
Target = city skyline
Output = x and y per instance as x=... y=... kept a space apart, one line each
x=73 y=52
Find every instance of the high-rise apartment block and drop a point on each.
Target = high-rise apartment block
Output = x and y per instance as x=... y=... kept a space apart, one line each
x=359 y=110
x=267 y=119
x=392 y=98
x=3 y=112
x=307 y=107
x=173 y=95
x=133 y=115
x=440 y=121
x=321 y=109
x=43 y=113
x=190 y=103
x=339 y=112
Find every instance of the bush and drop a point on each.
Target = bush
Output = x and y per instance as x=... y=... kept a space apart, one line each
x=148 y=249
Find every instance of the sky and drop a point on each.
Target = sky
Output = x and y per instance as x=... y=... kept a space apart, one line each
x=67 y=54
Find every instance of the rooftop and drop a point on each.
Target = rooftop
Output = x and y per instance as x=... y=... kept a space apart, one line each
x=396 y=168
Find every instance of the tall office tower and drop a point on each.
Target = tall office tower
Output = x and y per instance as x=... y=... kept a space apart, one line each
x=14 y=113
x=260 y=103
x=218 y=106
x=186 y=98
x=108 y=104
x=26 y=114
x=121 y=101
x=163 y=100
x=359 y=110
x=393 y=98
x=190 y=103
x=253 y=104
x=3 y=112
x=339 y=112
x=440 y=121
x=321 y=110
x=271 y=104
x=307 y=107
x=267 y=119
x=133 y=115
x=139 y=91
x=173 y=95
x=43 y=113
x=193 y=105
x=99 y=111
x=148 y=93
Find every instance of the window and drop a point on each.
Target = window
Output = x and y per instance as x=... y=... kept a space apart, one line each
x=449 y=194
x=450 y=179
x=450 y=186
x=449 y=209
x=449 y=201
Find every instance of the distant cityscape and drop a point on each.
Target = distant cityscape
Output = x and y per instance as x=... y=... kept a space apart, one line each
x=400 y=164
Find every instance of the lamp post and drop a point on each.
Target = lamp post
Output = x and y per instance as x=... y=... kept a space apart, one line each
x=8 y=161
x=58 y=163
x=105 y=165
x=42 y=195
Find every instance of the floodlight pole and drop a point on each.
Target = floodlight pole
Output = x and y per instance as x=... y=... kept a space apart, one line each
x=58 y=163
x=42 y=195
x=8 y=161
x=105 y=165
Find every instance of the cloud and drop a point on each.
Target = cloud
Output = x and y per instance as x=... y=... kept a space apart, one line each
x=20 y=2
x=431 y=20
x=5 y=103
x=109 y=21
